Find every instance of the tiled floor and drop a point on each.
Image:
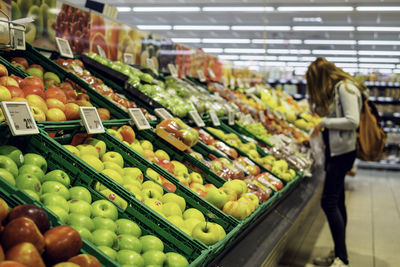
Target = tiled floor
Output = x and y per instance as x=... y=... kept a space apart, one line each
x=373 y=231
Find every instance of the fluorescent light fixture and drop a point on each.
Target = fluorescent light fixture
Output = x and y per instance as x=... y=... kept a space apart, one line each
x=311 y=19
x=342 y=59
x=167 y=9
x=244 y=51
x=378 y=53
x=237 y=9
x=334 y=52
x=154 y=27
x=247 y=57
x=347 y=65
x=378 y=8
x=287 y=58
x=386 y=71
x=225 y=41
x=273 y=63
x=331 y=42
x=351 y=70
x=124 y=9
x=377 y=29
x=229 y=57
x=260 y=28
x=378 y=60
x=201 y=28
x=377 y=42
x=324 y=28
x=396 y=71
x=298 y=64
x=314 y=8
x=213 y=50
x=377 y=66
x=289 y=51
x=276 y=41
x=186 y=40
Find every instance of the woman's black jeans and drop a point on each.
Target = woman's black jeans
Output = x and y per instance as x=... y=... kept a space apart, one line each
x=333 y=200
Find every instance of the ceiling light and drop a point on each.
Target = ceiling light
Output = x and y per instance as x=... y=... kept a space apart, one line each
x=289 y=51
x=124 y=9
x=275 y=41
x=347 y=65
x=378 y=29
x=314 y=8
x=334 y=52
x=167 y=9
x=201 y=27
x=376 y=42
x=300 y=19
x=381 y=60
x=244 y=50
x=324 y=28
x=378 y=53
x=378 y=8
x=331 y=42
x=273 y=63
x=260 y=28
x=154 y=27
x=342 y=59
x=237 y=9
x=377 y=66
x=186 y=40
x=351 y=70
x=298 y=64
x=213 y=50
x=229 y=57
x=225 y=41
x=247 y=57
x=286 y=58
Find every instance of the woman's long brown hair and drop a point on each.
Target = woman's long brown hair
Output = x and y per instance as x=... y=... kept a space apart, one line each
x=322 y=76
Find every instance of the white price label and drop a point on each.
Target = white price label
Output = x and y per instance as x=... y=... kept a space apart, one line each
x=231 y=117
x=214 y=118
x=64 y=48
x=197 y=119
x=262 y=116
x=239 y=82
x=139 y=119
x=162 y=113
x=19 y=38
x=150 y=63
x=101 y=51
x=19 y=118
x=128 y=58
x=232 y=83
x=211 y=73
x=201 y=76
x=77 y=69
x=172 y=70
x=91 y=120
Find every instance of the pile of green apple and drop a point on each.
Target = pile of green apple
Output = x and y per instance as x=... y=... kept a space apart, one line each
x=256 y=129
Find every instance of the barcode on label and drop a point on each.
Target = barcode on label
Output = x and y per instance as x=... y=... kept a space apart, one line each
x=64 y=47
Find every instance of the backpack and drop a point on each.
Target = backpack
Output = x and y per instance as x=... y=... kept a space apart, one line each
x=370 y=135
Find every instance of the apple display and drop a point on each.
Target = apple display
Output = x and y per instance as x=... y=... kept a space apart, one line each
x=128 y=227
x=104 y=237
x=36 y=159
x=80 y=193
x=55 y=187
x=154 y=258
x=104 y=208
x=33 y=212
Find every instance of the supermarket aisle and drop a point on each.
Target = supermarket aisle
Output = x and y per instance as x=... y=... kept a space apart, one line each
x=373 y=233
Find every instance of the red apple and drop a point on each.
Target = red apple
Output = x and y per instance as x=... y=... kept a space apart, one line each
x=170 y=126
x=34 y=90
x=83 y=96
x=55 y=103
x=128 y=134
x=72 y=111
x=104 y=113
x=15 y=91
x=20 y=60
x=11 y=264
x=66 y=264
x=18 y=79
x=22 y=229
x=66 y=85
x=33 y=212
x=8 y=81
x=37 y=66
x=4 y=209
x=55 y=114
x=3 y=70
x=56 y=93
x=85 y=260
x=32 y=81
x=25 y=253
x=83 y=103
x=62 y=242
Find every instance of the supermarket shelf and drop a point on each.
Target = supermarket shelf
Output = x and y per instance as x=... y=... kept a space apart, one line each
x=378 y=165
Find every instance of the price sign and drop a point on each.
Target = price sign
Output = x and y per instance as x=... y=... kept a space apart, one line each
x=231 y=117
x=211 y=73
x=19 y=118
x=162 y=113
x=101 y=51
x=172 y=70
x=64 y=48
x=197 y=119
x=91 y=120
x=19 y=38
x=261 y=115
x=128 y=58
x=139 y=119
x=214 y=118
x=201 y=76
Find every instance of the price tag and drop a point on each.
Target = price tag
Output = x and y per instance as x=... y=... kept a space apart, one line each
x=172 y=70
x=201 y=76
x=261 y=115
x=64 y=48
x=91 y=120
x=128 y=58
x=77 y=69
x=214 y=117
x=211 y=73
x=139 y=119
x=45 y=53
x=150 y=62
x=19 y=118
x=19 y=38
x=231 y=117
x=239 y=82
x=232 y=83
x=197 y=119
x=162 y=113
x=101 y=51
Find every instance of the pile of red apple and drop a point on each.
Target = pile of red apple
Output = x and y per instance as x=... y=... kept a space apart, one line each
x=180 y=130
x=26 y=240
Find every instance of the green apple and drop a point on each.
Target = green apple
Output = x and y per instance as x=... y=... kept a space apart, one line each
x=98 y=144
x=130 y=257
x=113 y=157
x=80 y=206
x=113 y=175
x=108 y=251
x=161 y=154
x=93 y=161
x=73 y=150
x=128 y=242
x=176 y=220
x=133 y=174
x=32 y=194
x=175 y=260
x=151 y=242
x=236 y=187
x=104 y=223
x=217 y=197
x=80 y=193
x=193 y=214
x=154 y=175
x=236 y=209
x=32 y=169
x=113 y=166
x=58 y=176
x=145 y=144
x=8 y=164
x=179 y=167
x=191 y=223
x=154 y=257
x=86 y=149
x=135 y=183
x=61 y=213
x=28 y=181
x=54 y=199
x=206 y=233
x=84 y=232
x=171 y=197
x=221 y=230
x=36 y=159
x=196 y=177
x=80 y=220
x=151 y=193
x=128 y=227
x=104 y=208
x=137 y=147
x=52 y=76
x=55 y=187
x=6 y=175
x=171 y=209
x=155 y=205
x=104 y=237
x=153 y=185
x=13 y=153
x=136 y=191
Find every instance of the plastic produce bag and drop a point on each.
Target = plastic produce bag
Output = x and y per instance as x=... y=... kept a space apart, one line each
x=317 y=149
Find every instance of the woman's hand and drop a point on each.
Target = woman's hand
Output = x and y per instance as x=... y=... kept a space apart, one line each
x=316 y=130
